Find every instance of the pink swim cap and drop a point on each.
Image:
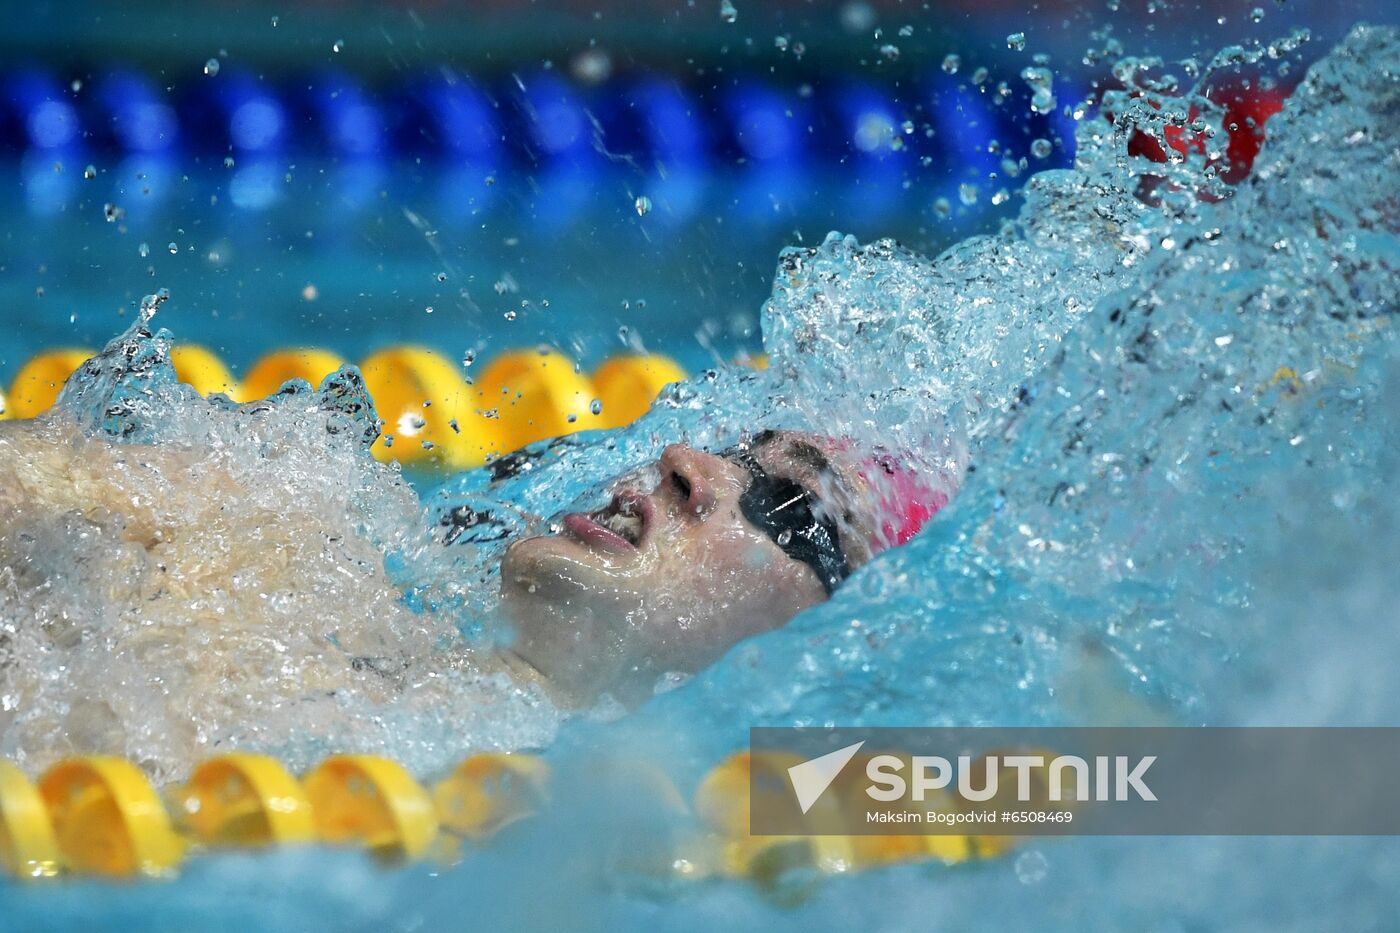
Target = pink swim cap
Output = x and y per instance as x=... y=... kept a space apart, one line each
x=905 y=500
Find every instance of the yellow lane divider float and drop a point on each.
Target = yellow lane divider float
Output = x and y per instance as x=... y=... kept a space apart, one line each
x=101 y=816
x=38 y=382
x=107 y=818
x=434 y=416
x=27 y=844
x=244 y=801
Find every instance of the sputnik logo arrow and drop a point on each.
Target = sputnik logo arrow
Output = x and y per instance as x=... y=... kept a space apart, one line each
x=811 y=778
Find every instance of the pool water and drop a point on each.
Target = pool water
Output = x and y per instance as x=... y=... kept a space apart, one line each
x=1179 y=399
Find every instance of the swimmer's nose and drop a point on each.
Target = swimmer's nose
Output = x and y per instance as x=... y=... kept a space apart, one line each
x=689 y=476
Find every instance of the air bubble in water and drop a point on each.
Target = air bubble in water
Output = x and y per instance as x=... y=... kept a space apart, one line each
x=1041 y=148
x=1032 y=867
x=967 y=193
x=784 y=537
x=1016 y=41
x=857 y=17
x=173 y=247
x=90 y=172
x=337 y=45
x=509 y=315
x=1256 y=15
x=890 y=52
x=211 y=67
x=144 y=250
x=468 y=358
x=643 y=205
x=906 y=31
x=596 y=406
x=943 y=207
x=951 y=63
x=440 y=276
x=727 y=12
x=428 y=309
x=113 y=213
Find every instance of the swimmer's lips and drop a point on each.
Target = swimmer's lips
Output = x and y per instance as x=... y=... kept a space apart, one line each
x=587 y=528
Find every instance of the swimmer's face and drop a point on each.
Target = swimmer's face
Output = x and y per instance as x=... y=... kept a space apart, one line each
x=665 y=579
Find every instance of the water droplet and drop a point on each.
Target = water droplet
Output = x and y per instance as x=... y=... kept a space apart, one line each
x=596 y=406
x=643 y=205
x=1016 y=41
x=951 y=63
x=337 y=45
x=173 y=247
x=1041 y=148
x=967 y=193
x=456 y=428
x=211 y=67
x=90 y=172
x=1032 y=867
x=857 y=17
x=727 y=12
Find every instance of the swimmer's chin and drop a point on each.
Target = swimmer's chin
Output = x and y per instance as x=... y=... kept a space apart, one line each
x=558 y=563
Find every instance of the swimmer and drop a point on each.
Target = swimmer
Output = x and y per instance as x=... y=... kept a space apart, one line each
x=142 y=551
x=664 y=579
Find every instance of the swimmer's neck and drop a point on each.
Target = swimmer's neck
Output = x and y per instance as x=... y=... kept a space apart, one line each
x=525 y=675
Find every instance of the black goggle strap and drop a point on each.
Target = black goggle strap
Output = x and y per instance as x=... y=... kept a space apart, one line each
x=782 y=509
